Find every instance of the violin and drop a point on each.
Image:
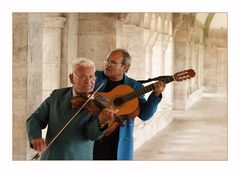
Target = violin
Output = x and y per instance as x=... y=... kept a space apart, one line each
x=95 y=106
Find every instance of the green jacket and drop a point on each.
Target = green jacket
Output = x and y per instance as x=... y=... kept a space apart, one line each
x=76 y=141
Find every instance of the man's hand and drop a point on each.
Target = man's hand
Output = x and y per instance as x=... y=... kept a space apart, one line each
x=159 y=87
x=38 y=144
x=106 y=115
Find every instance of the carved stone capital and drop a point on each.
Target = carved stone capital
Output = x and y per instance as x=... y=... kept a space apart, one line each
x=177 y=22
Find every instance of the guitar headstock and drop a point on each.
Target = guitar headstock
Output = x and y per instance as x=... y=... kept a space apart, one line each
x=183 y=75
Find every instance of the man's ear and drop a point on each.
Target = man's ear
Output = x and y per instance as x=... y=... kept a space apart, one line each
x=125 y=68
x=71 y=78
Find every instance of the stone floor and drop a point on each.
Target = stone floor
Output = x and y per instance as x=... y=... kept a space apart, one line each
x=199 y=133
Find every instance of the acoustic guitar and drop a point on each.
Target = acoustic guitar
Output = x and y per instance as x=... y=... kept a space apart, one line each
x=125 y=98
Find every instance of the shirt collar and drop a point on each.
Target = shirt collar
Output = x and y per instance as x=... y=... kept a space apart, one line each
x=74 y=92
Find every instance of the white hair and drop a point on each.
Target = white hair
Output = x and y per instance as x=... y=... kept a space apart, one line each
x=83 y=62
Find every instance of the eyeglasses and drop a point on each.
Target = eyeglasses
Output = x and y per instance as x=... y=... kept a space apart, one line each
x=111 y=62
x=84 y=77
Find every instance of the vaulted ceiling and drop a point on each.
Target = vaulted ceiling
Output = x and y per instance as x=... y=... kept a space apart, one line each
x=213 y=20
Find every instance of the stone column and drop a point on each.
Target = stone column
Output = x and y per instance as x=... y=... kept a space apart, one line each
x=151 y=53
x=221 y=71
x=19 y=90
x=165 y=42
x=180 y=63
x=69 y=47
x=148 y=65
x=51 y=54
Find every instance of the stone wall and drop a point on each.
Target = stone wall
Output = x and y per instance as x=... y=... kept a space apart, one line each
x=96 y=36
x=20 y=58
x=215 y=62
x=189 y=52
x=28 y=72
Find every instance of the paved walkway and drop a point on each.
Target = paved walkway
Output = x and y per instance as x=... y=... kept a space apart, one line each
x=196 y=134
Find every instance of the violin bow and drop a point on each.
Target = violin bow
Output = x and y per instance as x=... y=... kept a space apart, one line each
x=36 y=156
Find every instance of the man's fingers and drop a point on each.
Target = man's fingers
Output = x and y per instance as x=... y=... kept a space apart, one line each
x=38 y=144
x=115 y=111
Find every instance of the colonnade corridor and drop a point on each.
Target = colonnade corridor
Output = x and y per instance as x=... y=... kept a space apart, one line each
x=199 y=133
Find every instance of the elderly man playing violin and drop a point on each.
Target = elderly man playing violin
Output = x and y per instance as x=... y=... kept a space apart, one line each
x=76 y=140
x=119 y=144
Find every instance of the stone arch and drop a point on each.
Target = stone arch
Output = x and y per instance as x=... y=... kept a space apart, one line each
x=207 y=23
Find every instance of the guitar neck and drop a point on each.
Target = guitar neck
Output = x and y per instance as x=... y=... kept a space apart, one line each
x=146 y=89
x=165 y=79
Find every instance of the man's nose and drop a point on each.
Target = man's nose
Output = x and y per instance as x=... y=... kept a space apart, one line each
x=89 y=80
x=107 y=64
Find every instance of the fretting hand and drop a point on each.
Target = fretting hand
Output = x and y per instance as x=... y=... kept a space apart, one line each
x=106 y=115
x=159 y=87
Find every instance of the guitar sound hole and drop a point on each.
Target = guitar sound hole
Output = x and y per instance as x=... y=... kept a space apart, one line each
x=118 y=101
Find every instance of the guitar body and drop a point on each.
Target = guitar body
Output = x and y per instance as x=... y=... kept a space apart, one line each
x=128 y=110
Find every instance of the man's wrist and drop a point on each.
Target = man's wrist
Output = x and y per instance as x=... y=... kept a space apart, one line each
x=101 y=125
